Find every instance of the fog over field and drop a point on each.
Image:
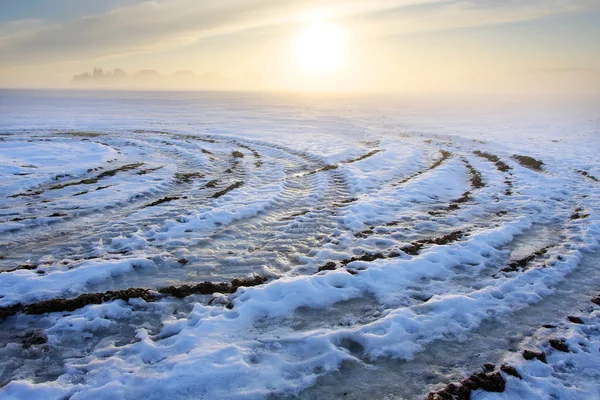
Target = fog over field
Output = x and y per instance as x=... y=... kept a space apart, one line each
x=382 y=199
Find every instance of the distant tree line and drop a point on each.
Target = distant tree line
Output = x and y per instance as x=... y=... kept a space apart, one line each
x=99 y=75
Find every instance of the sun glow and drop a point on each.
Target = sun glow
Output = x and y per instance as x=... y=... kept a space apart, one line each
x=320 y=48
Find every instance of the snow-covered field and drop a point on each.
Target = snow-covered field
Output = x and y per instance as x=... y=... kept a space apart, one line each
x=365 y=247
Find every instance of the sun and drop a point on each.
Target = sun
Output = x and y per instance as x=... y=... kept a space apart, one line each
x=319 y=48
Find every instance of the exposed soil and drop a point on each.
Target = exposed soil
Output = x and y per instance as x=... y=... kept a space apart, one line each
x=325 y=168
x=559 y=345
x=488 y=381
x=61 y=305
x=522 y=263
x=575 y=320
x=529 y=162
x=237 y=154
x=437 y=163
x=57 y=214
x=187 y=177
x=501 y=166
x=476 y=180
x=364 y=257
x=228 y=189
x=32 y=193
x=81 y=134
x=105 y=174
x=210 y=287
x=416 y=246
x=33 y=338
x=587 y=175
x=330 y=266
x=578 y=215
x=161 y=201
x=367 y=155
x=148 y=170
x=530 y=355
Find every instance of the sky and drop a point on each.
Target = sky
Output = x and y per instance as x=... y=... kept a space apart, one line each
x=413 y=46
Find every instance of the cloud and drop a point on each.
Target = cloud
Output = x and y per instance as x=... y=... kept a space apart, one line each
x=155 y=26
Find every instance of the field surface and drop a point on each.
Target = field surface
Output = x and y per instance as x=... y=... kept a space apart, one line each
x=245 y=246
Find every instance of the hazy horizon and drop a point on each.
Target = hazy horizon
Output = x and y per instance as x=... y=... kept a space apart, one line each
x=398 y=46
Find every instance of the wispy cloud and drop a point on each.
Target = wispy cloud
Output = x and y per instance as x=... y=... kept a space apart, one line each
x=155 y=26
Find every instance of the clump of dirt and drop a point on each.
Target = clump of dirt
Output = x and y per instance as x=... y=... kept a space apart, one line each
x=211 y=184
x=575 y=320
x=365 y=233
x=529 y=162
x=228 y=171
x=161 y=201
x=501 y=166
x=187 y=177
x=587 y=175
x=33 y=338
x=521 y=263
x=207 y=152
x=57 y=214
x=578 y=215
x=210 y=287
x=530 y=355
x=559 y=345
x=148 y=170
x=237 y=154
x=509 y=370
x=364 y=257
x=253 y=151
x=416 y=246
x=490 y=382
x=330 y=266
x=228 y=189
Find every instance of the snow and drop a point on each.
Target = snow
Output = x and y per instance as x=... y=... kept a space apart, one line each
x=180 y=208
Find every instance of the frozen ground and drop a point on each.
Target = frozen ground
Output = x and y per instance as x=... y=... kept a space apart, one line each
x=400 y=245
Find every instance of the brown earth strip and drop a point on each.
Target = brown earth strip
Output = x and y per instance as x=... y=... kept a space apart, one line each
x=529 y=162
x=228 y=189
x=325 y=168
x=587 y=175
x=64 y=305
x=364 y=156
x=437 y=163
x=522 y=263
x=90 y=181
x=412 y=249
x=161 y=201
x=501 y=166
